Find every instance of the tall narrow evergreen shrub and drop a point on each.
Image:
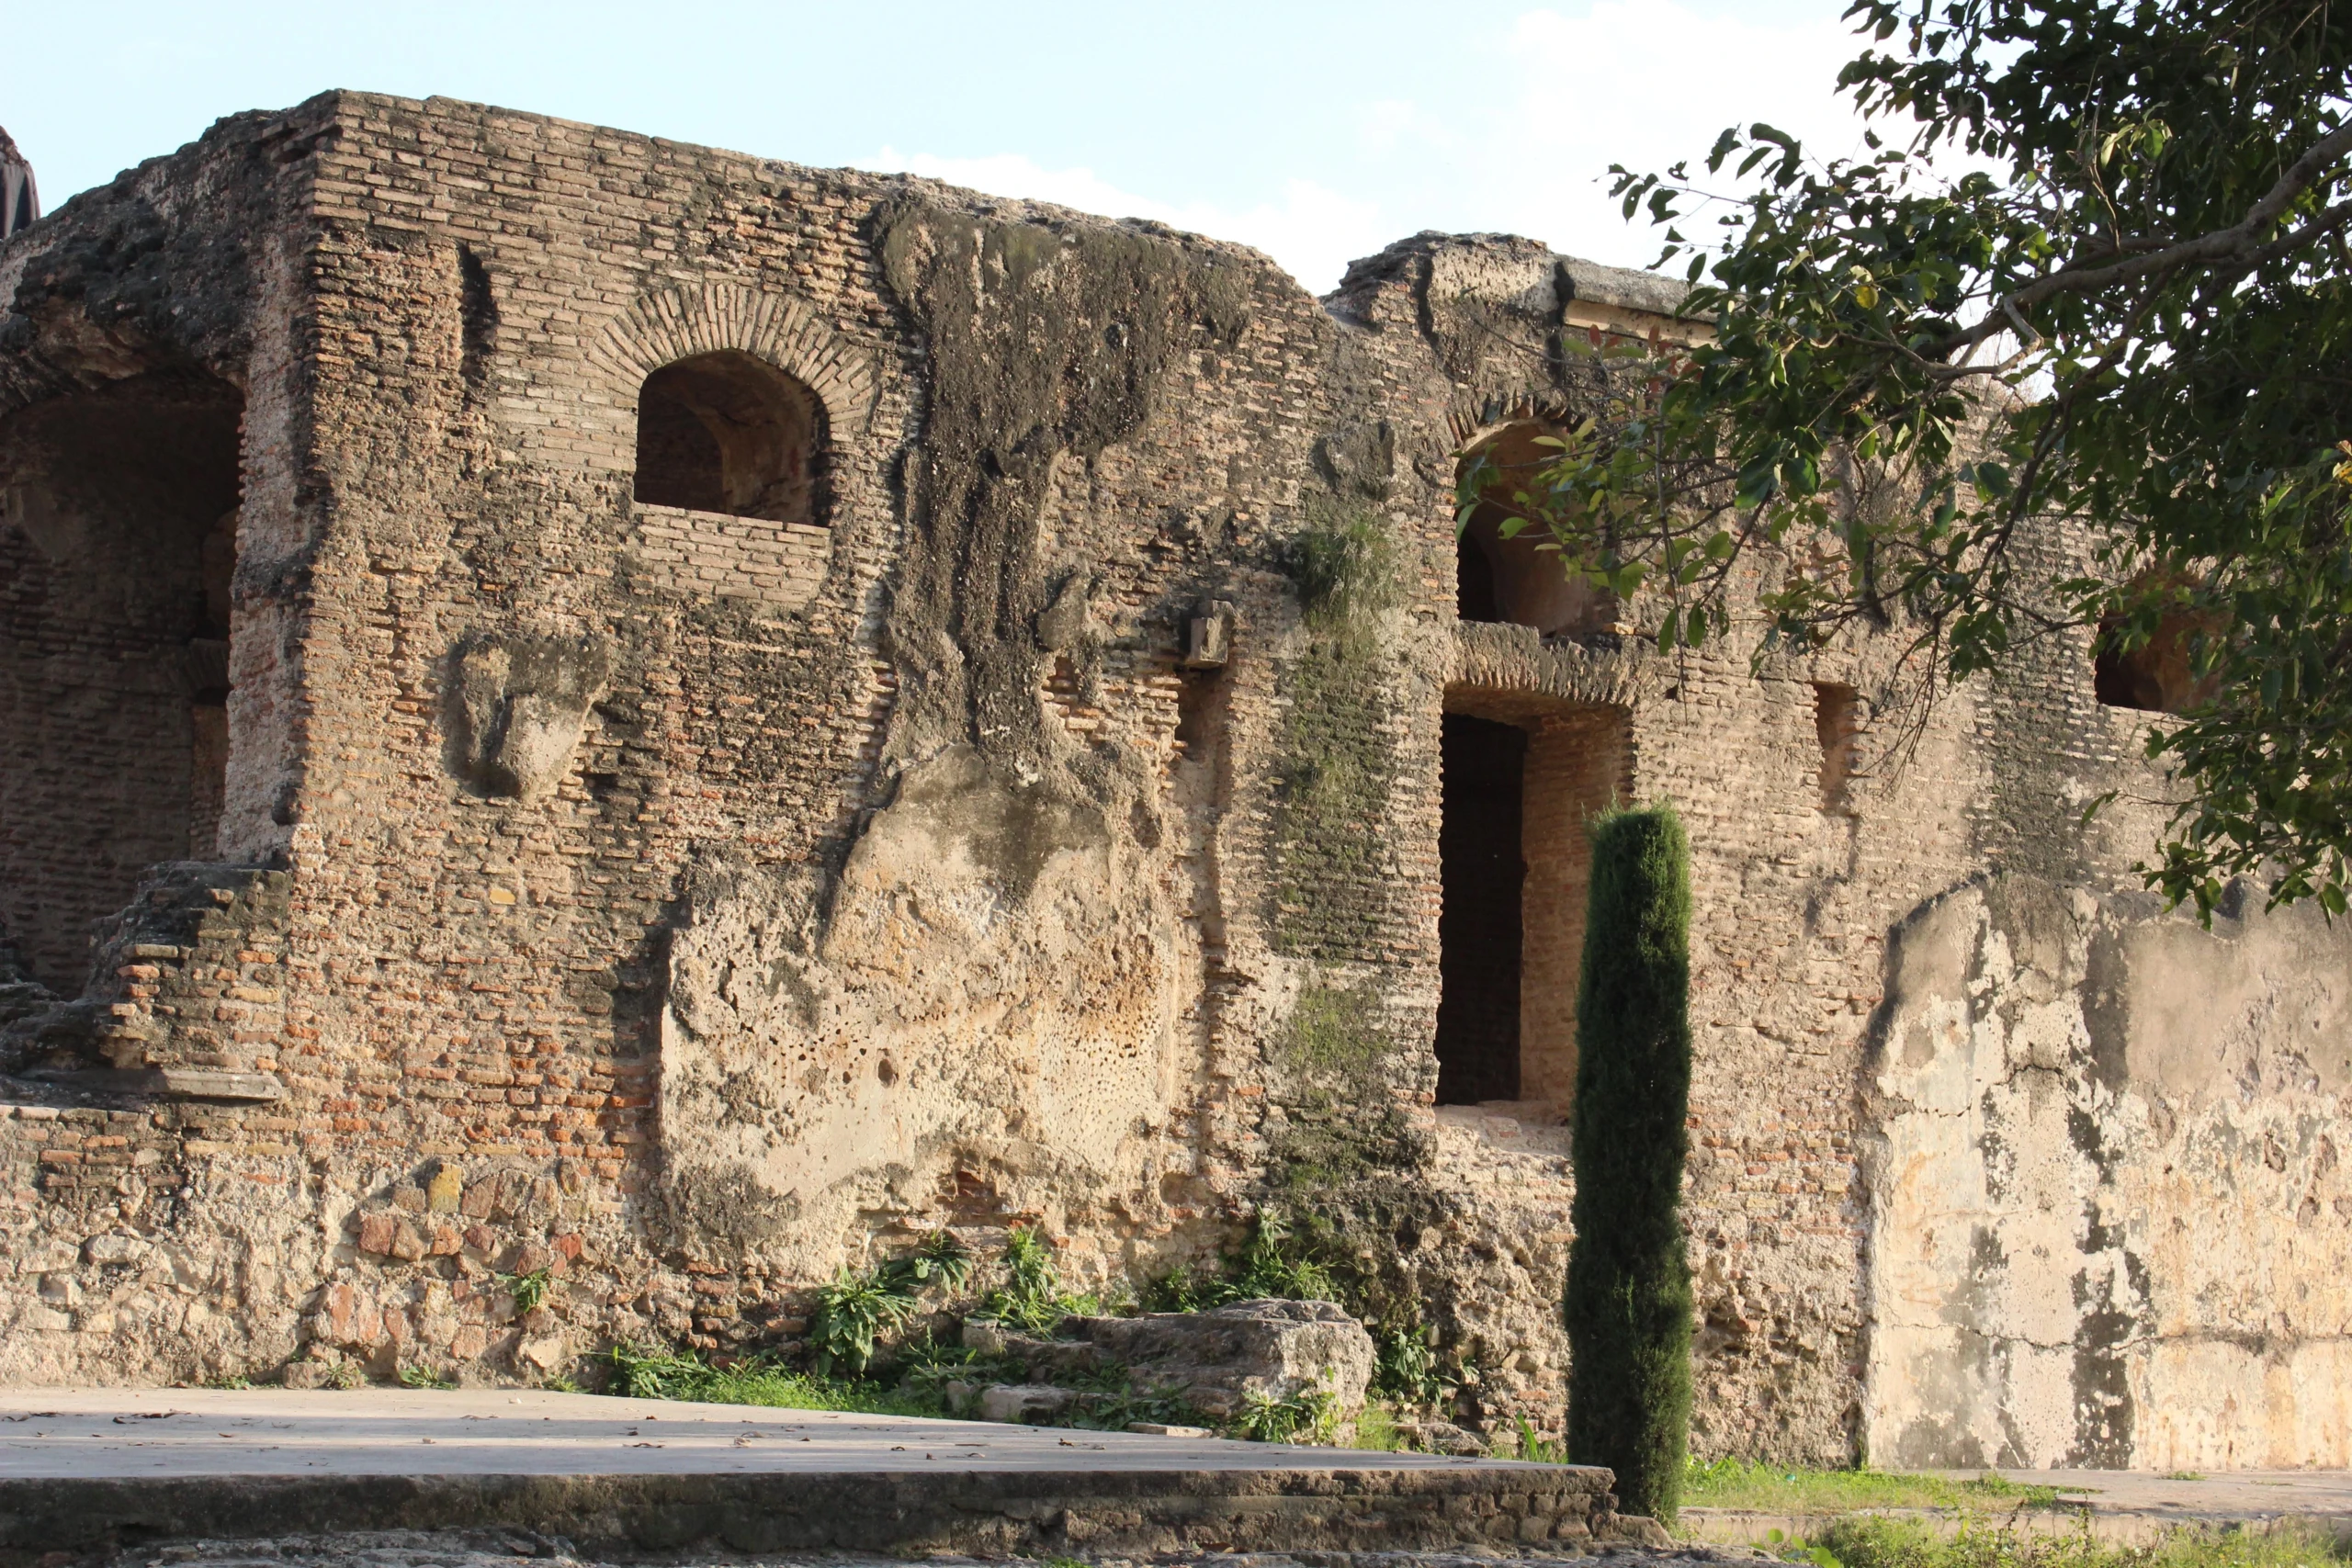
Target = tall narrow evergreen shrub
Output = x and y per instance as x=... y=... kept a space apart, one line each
x=1629 y=1275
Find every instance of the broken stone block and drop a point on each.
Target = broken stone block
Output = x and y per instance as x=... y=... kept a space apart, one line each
x=1442 y=1438
x=1216 y=1359
x=375 y=1232
x=545 y=1351
x=409 y=1197
x=306 y=1374
x=1046 y=1360
x=115 y=1248
x=443 y=1194
x=1022 y=1402
x=408 y=1242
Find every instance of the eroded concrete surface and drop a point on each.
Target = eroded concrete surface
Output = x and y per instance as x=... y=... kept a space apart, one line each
x=2110 y=1200
x=194 y=1432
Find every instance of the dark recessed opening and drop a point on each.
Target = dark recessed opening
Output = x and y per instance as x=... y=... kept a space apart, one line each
x=729 y=432
x=1835 y=722
x=118 y=543
x=1519 y=579
x=2155 y=676
x=1482 y=874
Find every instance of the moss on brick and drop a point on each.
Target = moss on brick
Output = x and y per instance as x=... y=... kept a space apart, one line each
x=1337 y=762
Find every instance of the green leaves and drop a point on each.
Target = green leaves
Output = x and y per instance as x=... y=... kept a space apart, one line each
x=2117 y=329
x=853 y=1312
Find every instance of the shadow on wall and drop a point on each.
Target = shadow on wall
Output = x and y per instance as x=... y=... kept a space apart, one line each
x=118 y=543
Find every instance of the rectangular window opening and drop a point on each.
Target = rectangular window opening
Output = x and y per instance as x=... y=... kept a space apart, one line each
x=1835 y=722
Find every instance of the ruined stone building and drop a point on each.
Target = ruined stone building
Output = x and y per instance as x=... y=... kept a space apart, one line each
x=569 y=701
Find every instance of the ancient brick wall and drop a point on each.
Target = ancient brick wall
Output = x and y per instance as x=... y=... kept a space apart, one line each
x=676 y=901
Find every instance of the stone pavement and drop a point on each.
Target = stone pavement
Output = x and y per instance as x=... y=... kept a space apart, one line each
x=92 y=1472
x=181 y=1432
x=408 y=1549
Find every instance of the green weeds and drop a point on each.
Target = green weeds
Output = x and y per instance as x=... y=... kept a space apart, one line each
x=1031 y=1299
x=1788 y=1489
x=855 y=1311
x=636 y=1373
x=1312 y=1417
x=528 y=1290
x=1407 y=1365
x=1538 y=1449
x=1874 y=1541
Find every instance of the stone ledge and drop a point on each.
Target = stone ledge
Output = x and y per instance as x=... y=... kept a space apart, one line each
x=162 y=1083
x=1030 y=1513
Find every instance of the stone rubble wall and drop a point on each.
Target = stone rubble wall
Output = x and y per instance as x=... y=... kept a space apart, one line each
x=670 y=940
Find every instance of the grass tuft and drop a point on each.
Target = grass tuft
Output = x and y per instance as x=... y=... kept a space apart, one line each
x=659 y=1374
x=1785 y=1489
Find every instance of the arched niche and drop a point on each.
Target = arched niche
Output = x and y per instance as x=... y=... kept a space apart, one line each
x=727 y=432
x=1516 y=580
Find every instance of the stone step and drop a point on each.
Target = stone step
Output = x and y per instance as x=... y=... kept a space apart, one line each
x=91 y=1471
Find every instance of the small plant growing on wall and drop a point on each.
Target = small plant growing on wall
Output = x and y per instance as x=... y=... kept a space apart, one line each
x=1629 y=1274
x=855 y=1311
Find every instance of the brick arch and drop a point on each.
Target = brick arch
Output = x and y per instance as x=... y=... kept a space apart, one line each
x=678 y=323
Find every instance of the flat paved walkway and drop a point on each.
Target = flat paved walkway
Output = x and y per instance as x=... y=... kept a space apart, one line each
x=2227 y=1496
x=56 y=1433
x=2124 y=1506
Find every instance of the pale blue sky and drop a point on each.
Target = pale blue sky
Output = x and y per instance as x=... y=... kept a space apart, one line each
x=1317 y=132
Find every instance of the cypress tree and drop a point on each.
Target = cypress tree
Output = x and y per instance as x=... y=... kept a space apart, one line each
x=1629 y=1275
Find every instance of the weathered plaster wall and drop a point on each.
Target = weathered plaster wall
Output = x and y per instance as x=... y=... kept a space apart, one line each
x=2112 y=1226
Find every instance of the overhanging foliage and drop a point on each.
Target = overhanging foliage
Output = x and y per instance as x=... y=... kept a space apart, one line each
x=2127 y=313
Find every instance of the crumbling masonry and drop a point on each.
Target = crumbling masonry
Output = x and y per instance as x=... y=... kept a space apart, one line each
x=572 y=702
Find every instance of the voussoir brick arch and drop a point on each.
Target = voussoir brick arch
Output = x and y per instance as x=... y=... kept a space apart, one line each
x=689 y=551
x=679 y=323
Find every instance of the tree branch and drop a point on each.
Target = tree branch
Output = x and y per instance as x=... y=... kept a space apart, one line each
x=2221 y=246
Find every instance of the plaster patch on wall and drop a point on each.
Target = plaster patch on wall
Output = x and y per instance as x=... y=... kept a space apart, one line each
x=993 y=969
x=2062 y=1080
x=517 y=708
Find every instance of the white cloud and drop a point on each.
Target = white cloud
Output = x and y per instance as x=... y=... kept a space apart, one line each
x=1646 y=84
x=1643 y=82
x=1314 y=232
